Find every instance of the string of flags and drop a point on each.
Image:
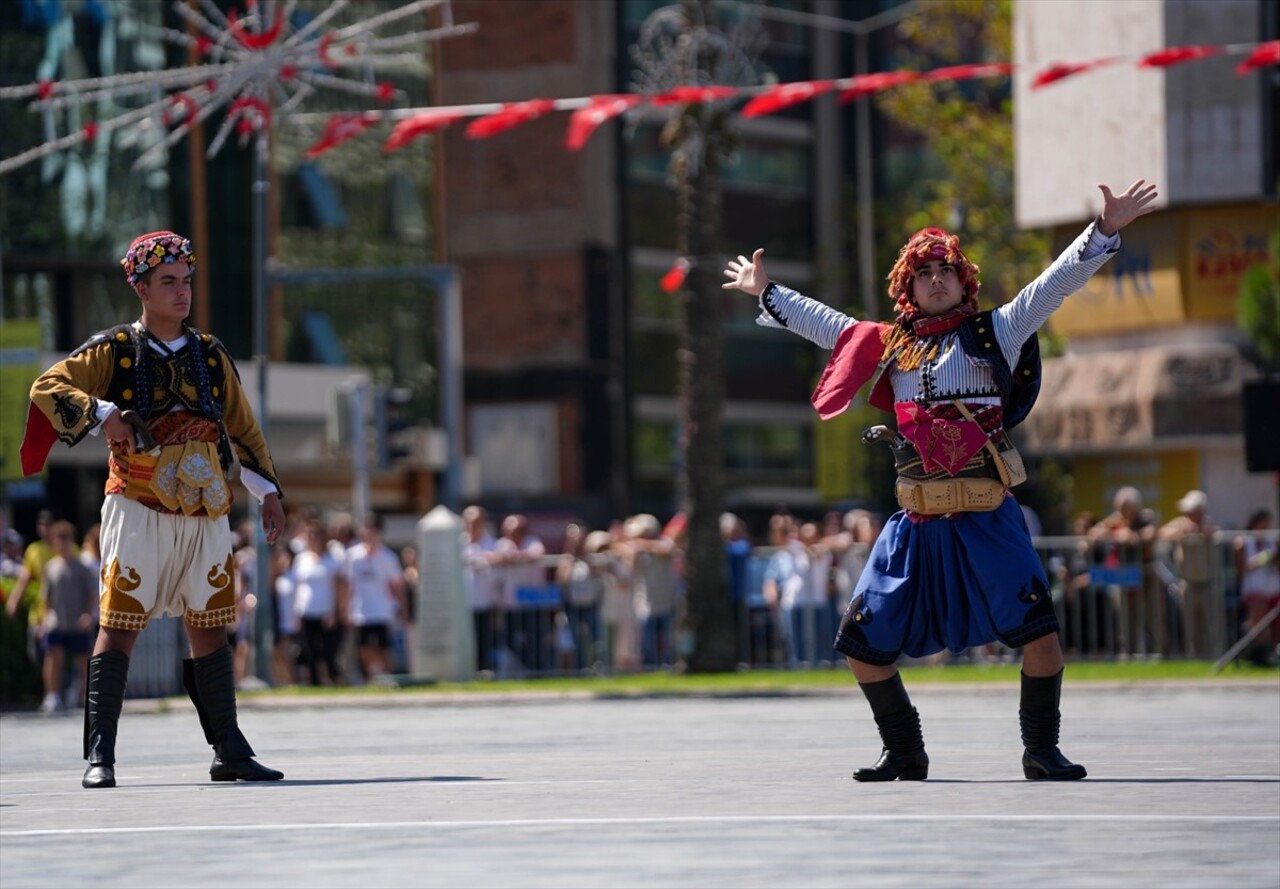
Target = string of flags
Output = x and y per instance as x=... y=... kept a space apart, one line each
x=588 y=113
x=257 y=68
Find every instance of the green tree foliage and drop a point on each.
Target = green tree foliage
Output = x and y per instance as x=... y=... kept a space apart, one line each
x=1258 y=304
x=966 y=182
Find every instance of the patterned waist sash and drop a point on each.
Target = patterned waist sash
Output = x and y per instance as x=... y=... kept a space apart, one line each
x=184 y=477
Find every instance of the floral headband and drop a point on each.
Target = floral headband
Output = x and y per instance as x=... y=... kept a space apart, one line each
x=154 y=249
x=930 y=245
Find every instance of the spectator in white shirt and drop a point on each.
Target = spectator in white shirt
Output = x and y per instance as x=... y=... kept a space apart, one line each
x=376 y=583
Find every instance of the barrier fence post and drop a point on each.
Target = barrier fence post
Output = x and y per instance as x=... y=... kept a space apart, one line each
x=445 y=644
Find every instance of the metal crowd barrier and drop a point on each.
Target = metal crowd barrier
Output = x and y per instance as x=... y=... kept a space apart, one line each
x=1113 y=603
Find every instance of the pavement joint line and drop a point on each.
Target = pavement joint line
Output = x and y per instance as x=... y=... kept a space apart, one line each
x=1088 y=818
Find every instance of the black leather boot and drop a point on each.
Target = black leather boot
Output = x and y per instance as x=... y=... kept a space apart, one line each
x=103 y=701
x=903 y=757
x=1040 y=718
x=210 y=681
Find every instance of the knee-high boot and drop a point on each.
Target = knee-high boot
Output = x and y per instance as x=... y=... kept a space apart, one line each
x=1040 y=719
x=210 y=681
x=103 y=701
x=903 y=757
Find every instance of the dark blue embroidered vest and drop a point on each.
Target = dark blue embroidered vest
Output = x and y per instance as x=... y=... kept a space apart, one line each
x=1020 y=386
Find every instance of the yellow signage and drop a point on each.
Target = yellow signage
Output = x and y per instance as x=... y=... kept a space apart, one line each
x=1162 y=478
x=1221 y=243
x=19 y=367
x=1137 y=289
x=1172 y=267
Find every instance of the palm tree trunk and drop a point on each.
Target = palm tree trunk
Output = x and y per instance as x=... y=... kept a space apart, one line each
x=709 y=620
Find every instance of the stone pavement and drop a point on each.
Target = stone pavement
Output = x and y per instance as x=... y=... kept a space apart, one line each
x=416 y=790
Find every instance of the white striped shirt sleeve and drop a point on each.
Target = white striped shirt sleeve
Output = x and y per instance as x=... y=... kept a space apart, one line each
x=817 y=322
x=1022 y=316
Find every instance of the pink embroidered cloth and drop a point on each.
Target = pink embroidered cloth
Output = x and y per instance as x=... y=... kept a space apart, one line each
x=942 y=444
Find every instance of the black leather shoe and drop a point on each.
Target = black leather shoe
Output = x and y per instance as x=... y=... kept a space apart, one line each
x=1050 y=764
x=99 y=775
x=241 y=770
x=896 y=767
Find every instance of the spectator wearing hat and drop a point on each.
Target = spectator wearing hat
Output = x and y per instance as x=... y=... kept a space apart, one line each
x=1189 y=537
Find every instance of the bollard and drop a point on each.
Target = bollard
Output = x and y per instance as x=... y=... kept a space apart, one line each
x=445 y=648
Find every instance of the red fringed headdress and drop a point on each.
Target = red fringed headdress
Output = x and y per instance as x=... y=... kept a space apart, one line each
x=929 y=245
x=902 y=340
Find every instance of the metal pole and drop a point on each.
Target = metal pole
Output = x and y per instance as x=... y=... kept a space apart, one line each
x=451 y=385
x=360 y=493
x=866 y=234
x=264 y=617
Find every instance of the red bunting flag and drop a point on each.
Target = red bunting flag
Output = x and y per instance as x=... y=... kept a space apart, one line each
x=584 y=121
x=1176 y=55
x=866 y=84
x=785 y=95
x=339 y=129
x=423 y=124
x=512 y=115
x=674 y=277
x=1266 y=54
x=968 y=72
x=695 y=94
x=1062 y=70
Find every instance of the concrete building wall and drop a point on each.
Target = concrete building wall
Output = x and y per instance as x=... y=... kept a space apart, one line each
x=1214 y=115
x=1106 y=125
x=1196 y=129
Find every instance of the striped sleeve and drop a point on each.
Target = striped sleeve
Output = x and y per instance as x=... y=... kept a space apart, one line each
x=1018 y=319
x=817 y=322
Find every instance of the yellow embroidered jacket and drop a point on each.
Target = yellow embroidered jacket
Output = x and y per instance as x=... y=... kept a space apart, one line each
x=191 y=400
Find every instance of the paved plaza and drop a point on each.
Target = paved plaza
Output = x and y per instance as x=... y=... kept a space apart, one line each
x=419 y=790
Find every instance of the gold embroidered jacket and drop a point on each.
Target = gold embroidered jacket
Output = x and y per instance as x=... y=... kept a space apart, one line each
x=195 y=393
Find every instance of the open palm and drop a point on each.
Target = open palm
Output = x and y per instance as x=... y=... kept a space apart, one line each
x=1118 y=210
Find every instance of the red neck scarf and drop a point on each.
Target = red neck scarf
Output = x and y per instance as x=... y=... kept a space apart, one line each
x=913 y=338
x=936 y=325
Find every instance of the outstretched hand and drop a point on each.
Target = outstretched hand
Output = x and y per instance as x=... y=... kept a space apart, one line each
x=747 y=275
x=1119 y=210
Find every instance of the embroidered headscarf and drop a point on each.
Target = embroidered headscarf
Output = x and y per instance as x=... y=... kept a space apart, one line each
x=901 y=338
x=154 y=249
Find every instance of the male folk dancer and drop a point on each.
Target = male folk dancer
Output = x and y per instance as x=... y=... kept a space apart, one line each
x=169 y=400
x=955 y=568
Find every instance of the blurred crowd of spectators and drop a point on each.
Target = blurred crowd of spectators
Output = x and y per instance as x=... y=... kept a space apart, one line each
x=612 y=599
x=1131 y=586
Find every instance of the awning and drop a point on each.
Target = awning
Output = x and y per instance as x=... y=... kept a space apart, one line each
x=1137 y=398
